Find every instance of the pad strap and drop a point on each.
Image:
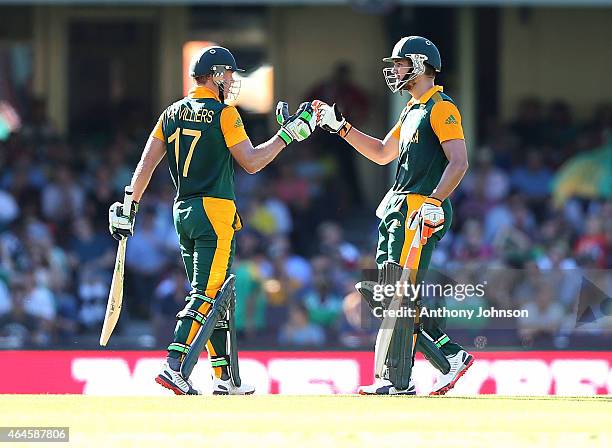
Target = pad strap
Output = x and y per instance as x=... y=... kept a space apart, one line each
x=192 y=314
x=442 y=340
x=219 y=361
x=177 y=347
x=222 y=325
x=203 y=298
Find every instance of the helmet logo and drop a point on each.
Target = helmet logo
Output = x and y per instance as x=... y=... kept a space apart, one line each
x=213 y=51
x=427 y=42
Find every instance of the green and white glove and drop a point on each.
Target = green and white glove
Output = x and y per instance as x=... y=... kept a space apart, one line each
x=298 y=126
x=121 y=216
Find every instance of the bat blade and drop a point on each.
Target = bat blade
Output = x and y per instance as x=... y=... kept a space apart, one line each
x=115 y=296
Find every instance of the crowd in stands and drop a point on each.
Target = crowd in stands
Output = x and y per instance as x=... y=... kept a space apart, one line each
x=306 y=240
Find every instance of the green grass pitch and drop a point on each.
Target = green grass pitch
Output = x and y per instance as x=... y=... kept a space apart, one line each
x=316 y=421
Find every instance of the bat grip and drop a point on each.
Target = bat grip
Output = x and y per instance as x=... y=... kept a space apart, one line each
x=127 y=200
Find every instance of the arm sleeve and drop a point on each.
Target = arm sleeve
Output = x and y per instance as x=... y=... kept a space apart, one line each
x=232 y=126
x=445 y=121
x=158 y=131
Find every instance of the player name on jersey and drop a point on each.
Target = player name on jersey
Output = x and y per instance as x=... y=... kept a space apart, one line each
x=185 y=113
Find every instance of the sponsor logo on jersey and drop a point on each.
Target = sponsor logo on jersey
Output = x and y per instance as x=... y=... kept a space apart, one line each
x=451 y=120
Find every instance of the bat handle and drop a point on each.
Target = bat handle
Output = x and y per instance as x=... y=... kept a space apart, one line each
x=127 y=200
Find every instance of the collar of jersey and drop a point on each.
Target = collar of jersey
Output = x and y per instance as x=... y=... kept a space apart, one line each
x=202 y=92
x=426 y=96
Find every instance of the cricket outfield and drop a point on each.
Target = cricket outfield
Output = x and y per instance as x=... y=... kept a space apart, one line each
x=316 y=421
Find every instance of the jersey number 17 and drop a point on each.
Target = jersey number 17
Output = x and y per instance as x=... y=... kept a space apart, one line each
x=175 y=138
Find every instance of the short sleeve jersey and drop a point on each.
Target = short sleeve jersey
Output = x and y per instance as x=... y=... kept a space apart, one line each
x=198 y=132
x=423 y=126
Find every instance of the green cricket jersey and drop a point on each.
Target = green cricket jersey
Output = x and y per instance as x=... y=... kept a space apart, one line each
x=198 y=130
x=423 y=125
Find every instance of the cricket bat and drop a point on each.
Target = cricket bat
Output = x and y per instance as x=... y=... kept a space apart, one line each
x=383 y=338
x=115 y=296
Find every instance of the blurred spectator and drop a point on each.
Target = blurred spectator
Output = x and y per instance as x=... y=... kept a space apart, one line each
x=533 y=179
x=470 y=246
x=357 y=327
x=289 y=188
x=63 y=199
x=286 y=276
x=324 y=305
x=261 y=218
x=93 y=292
x=9 y=210
x=592 y=245
x=298 y=331
x=38 y=301
x=90 y=249
x=340 y=89
x=101 y=195
x=38 y=127
x=281 y=215
x=18 y=327
x=288 y=265
x=545 y=315
x=168 y=299
x=333 y=244
x=145 y=261
x=5 y=299
x=485 y=176
x=66 y=323
x=250 y=300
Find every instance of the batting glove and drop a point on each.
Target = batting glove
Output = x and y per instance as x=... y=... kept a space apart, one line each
x=429 y=218
x=298 y=126
x=331 y=119
x=119 y=224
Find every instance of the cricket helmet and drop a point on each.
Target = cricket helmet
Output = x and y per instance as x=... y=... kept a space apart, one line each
x=420 y=51
x=215 y=61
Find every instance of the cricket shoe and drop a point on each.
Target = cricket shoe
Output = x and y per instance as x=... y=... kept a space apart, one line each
x=173 y=380
x=226 y=387
x=385 y=387
x=459 y=364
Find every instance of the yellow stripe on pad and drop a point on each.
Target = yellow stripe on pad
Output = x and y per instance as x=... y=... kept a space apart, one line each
x=221 y=214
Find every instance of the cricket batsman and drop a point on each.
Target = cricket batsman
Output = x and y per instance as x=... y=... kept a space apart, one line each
x=201 y=136
x=428 y=140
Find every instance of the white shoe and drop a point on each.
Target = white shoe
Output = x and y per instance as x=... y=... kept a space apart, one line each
x=383 y=386
x=226 y=387
x=459 y=364
x=173 y=380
